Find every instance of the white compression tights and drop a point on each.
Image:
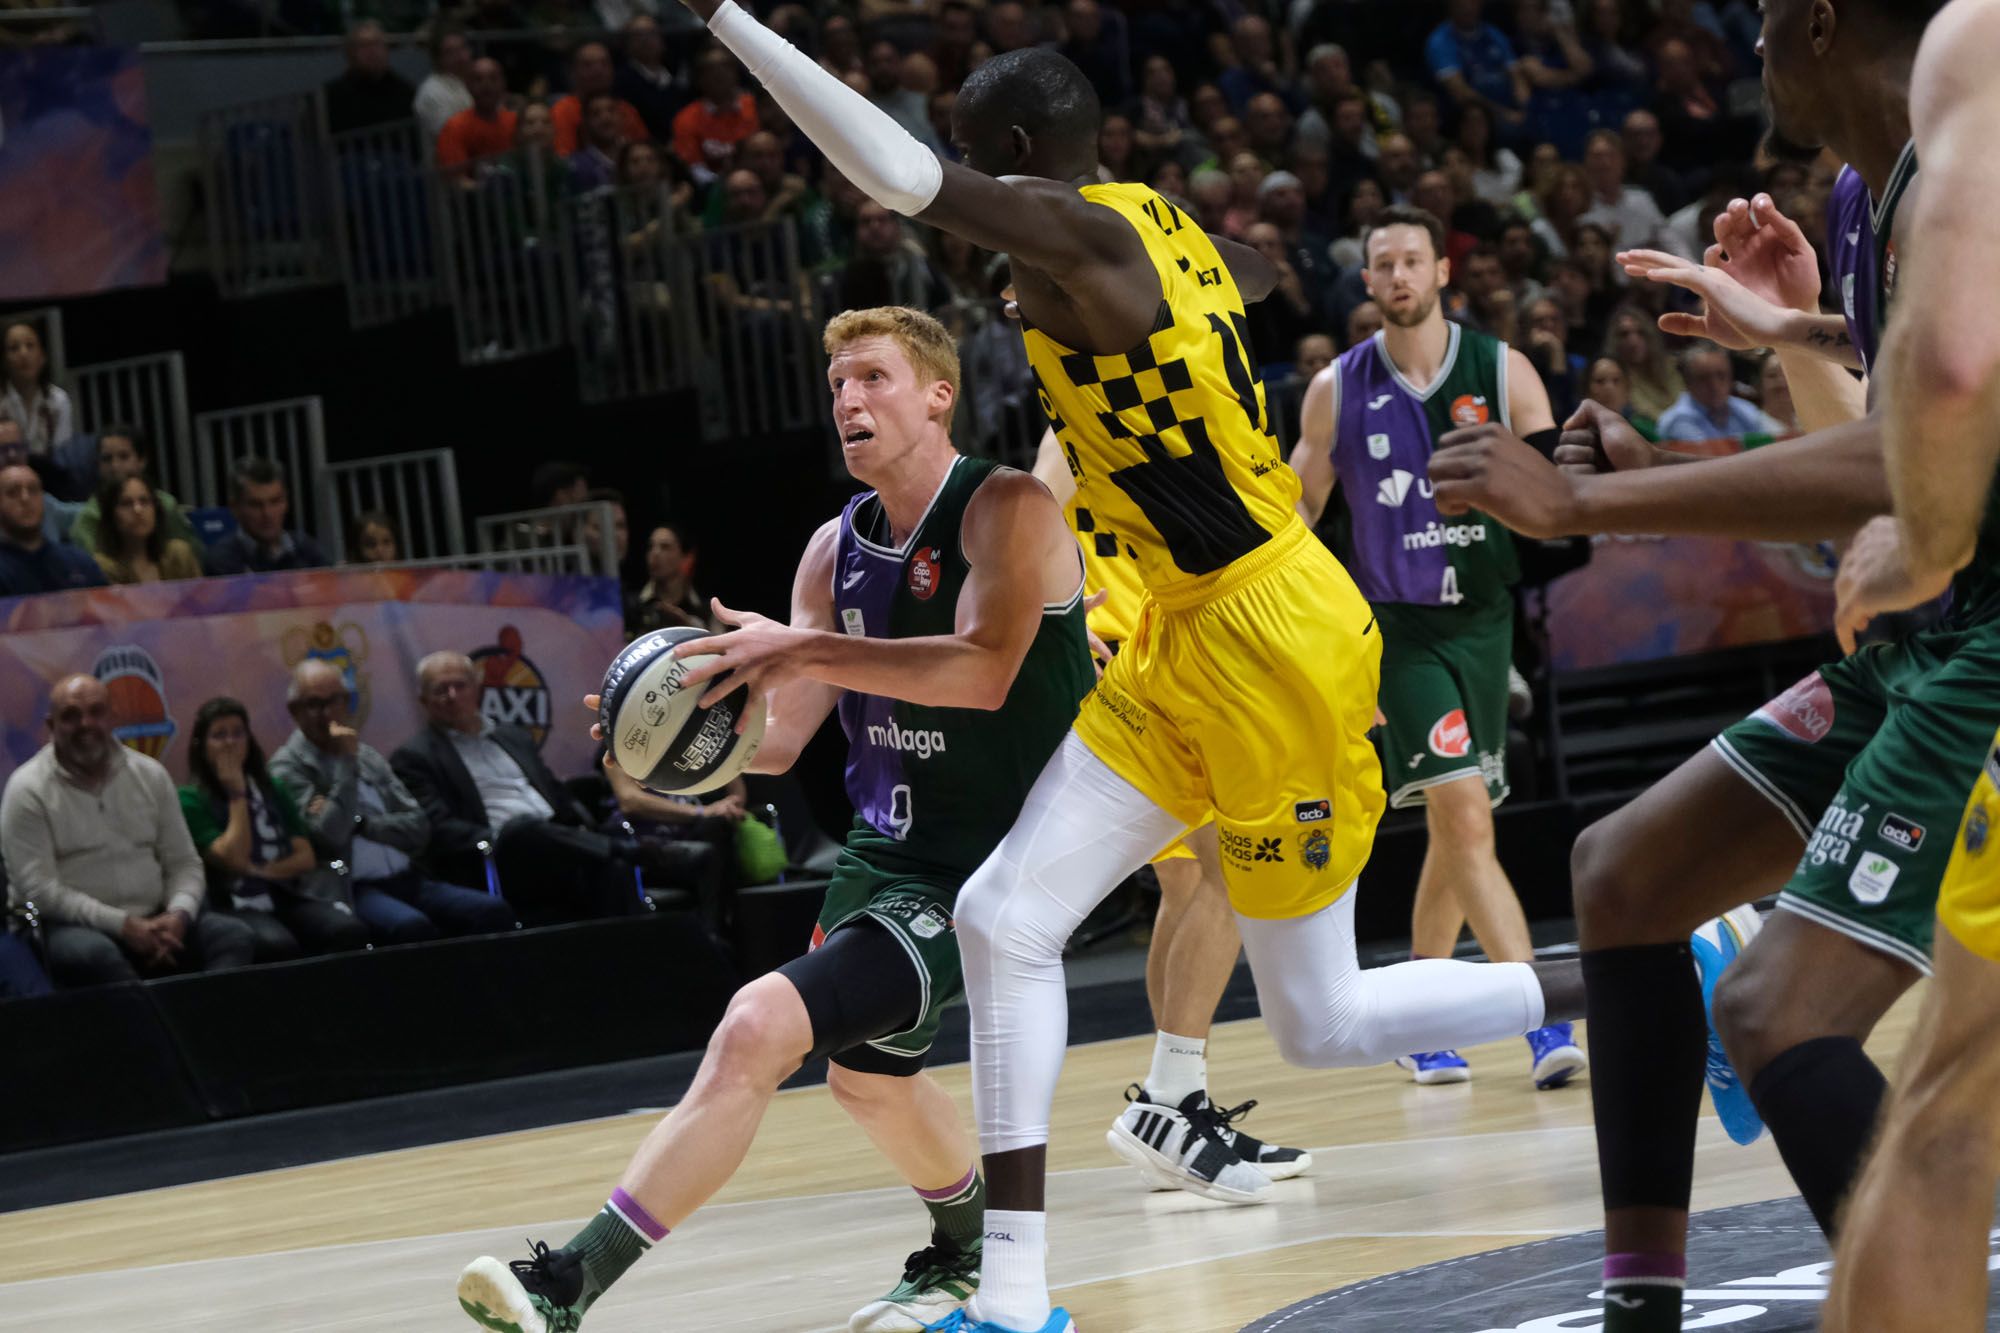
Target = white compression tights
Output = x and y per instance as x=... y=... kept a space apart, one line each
x=1081 y=831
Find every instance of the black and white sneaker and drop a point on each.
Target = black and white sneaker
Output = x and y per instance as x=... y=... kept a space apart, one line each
x=1185 y=1148
x=1275 y=1162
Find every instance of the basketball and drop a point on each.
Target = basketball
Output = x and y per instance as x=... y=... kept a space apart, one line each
x=658 y=732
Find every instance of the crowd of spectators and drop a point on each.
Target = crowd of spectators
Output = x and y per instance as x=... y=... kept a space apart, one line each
x=1549 y=135
x=324 y=845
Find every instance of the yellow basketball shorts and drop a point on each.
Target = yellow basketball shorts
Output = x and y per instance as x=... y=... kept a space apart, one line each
x=1248 y=698
x=1969 y=898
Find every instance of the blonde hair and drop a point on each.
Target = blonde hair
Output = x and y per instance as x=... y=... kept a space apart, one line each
x=924 y=341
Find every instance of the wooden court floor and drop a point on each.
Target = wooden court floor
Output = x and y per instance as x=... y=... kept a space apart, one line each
x=815 y=1225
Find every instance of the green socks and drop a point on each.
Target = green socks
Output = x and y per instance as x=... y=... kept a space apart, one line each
x=958 y=1212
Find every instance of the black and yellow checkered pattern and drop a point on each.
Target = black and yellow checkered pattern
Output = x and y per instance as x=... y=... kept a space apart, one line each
x=1170 y=442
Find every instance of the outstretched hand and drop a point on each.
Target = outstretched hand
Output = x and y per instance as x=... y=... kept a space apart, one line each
x=759 y=652
x=1760 y=273
x=1490 y=468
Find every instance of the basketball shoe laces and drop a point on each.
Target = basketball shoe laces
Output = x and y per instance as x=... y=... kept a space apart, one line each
x=938 y=1263
x=554 y=1281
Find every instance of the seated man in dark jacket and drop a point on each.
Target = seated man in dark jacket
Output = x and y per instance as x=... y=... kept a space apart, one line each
x=482 y=783
x=357 y=812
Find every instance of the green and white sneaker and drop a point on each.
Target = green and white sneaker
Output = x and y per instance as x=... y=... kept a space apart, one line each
x=936 y=1280
x=544 y=1294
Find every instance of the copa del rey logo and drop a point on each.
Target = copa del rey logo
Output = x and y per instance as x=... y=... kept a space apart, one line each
x=1450 y=737
x=926 y=568
x=1469 y=409
x=1804 y=712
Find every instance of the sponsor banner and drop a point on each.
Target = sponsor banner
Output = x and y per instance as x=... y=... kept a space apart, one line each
x=1643 y=598
x=539 y=643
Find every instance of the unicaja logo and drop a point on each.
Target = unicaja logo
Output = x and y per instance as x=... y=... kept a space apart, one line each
x=1393 y=489
x=923 y=744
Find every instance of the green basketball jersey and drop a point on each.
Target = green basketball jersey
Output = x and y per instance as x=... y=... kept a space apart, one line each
x=1400 y=548
x=937 y=787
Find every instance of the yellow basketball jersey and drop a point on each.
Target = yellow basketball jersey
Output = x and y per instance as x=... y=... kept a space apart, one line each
x=1969 y=898
x=1109 y=565
x=1171 y=443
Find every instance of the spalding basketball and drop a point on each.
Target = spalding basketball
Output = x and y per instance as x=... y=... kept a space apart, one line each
x=658 y=732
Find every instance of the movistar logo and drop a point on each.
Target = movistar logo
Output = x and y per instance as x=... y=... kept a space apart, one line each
x=1444 y=534
x=923 y=744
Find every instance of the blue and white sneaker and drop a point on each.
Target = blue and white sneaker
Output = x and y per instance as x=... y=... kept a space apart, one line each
x=1716 y=944
x=964 y=1321
x=1436 y=1067
x=1558 y=1058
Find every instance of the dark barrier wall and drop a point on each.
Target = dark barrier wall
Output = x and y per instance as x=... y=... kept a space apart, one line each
x=122 y=1059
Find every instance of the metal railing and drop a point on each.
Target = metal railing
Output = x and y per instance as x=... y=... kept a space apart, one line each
x=570 y=559
x=551 y=532
x=498 y=224
x=291 y=433
x=151 y=393
x=633 y=285
x=757 y=322
x=263 y=163
x=418 y=491
x=378 y=180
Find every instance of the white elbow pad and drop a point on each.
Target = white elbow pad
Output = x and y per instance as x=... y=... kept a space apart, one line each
x=871 y=149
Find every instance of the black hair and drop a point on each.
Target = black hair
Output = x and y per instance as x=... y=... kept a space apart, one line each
x=1408 y=215
x=125 y=430
x=250 y=472
x=1039 y=90
x=199 y=767
x=1910 y=15
x=366 y=519
x=110 y=541
x=548 y=478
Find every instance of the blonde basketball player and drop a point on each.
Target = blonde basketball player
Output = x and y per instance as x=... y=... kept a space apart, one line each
x=1247 y=690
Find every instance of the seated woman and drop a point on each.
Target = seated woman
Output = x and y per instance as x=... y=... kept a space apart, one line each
x=133 y=546
x=1609 y=386
x=250 y=835
x=668 y=598
x=122 y=452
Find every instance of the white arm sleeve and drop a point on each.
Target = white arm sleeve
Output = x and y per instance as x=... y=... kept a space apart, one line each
x=869 y=148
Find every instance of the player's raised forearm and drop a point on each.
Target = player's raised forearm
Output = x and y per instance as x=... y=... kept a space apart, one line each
x=863 y=141
x=1814 y=488
x=1822 y=336
x=1941 y=369
x=1824 y=394
x=938 y=671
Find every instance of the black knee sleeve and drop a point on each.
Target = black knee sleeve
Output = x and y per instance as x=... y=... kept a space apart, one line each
x=1648 y=1044
x=858 y=986
x=1821 y=1099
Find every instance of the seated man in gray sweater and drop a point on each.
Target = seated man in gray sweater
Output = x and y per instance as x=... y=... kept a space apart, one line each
x=92 y=833
x=358 y=812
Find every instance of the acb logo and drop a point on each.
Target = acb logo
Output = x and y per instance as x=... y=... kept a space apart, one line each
x=515 y=691
x=1469 y=409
